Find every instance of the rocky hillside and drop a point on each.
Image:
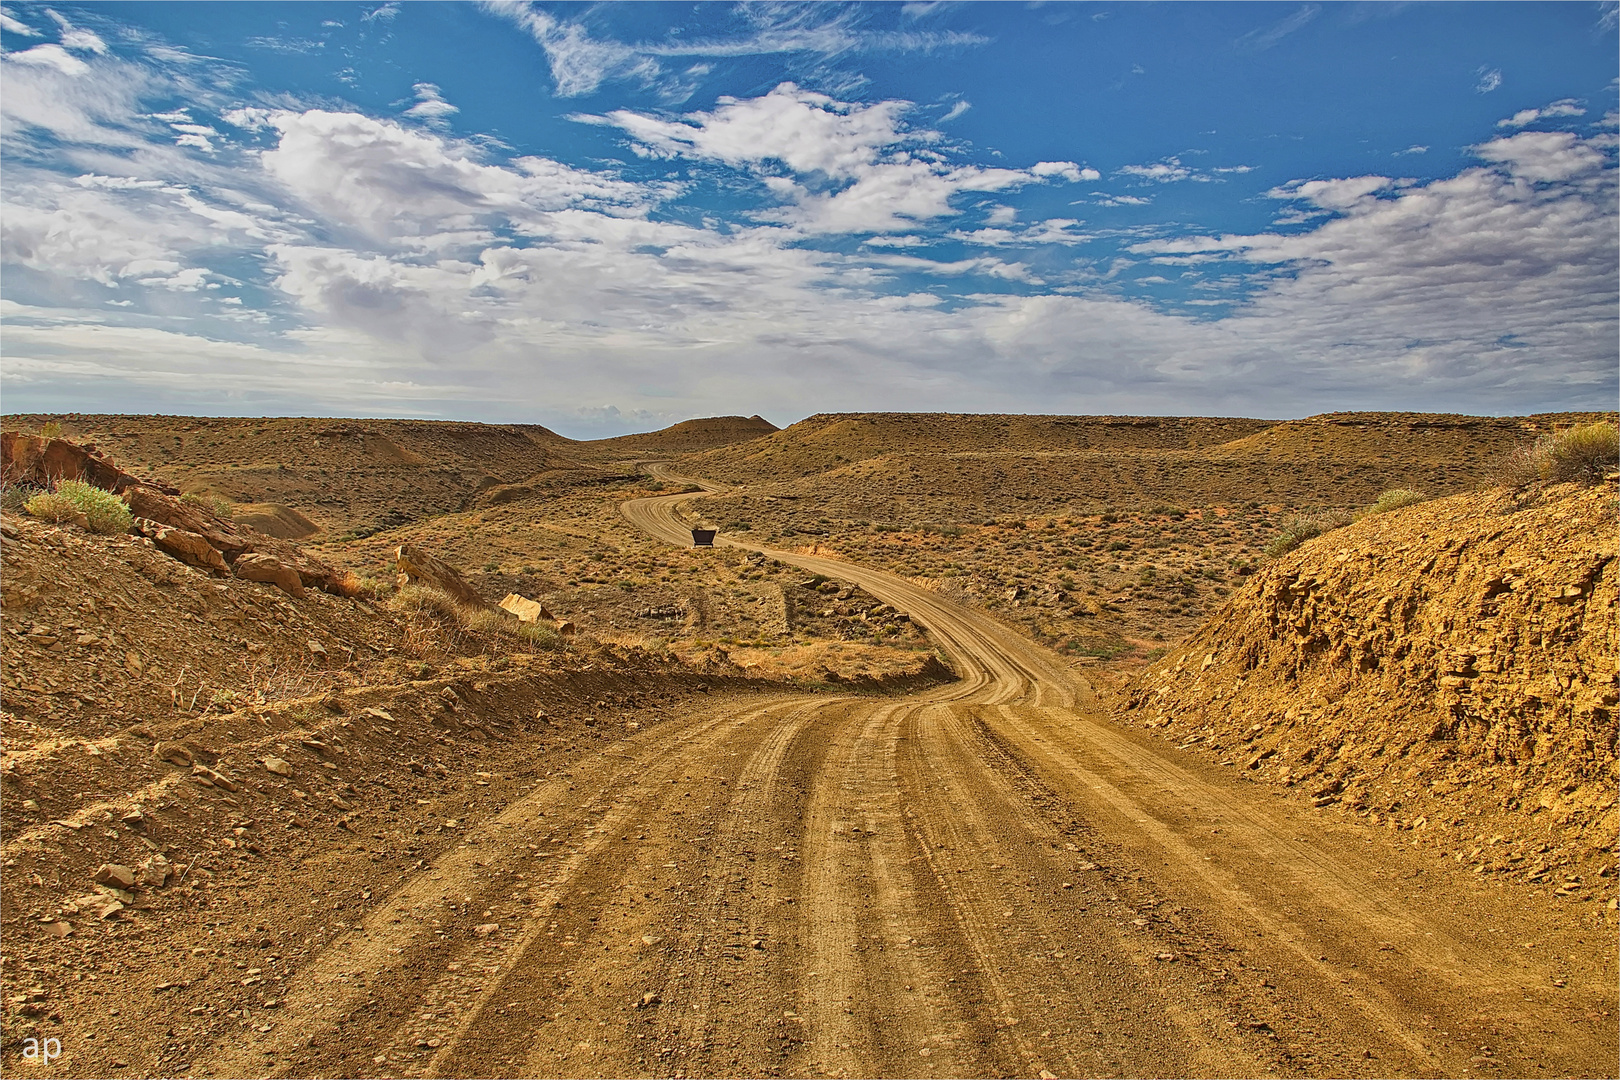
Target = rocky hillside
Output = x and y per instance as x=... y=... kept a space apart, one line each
x=302 y=476
x=1448 y=669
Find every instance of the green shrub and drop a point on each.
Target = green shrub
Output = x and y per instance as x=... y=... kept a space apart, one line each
x=51 y=429
x=104 y=511
x=49 y=506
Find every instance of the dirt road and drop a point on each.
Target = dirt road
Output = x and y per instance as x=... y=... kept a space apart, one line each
x=986 y=879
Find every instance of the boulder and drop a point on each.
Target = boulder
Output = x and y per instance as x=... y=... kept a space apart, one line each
x=190 y=548
x=525 y=609
x=116 y=876
x=253 y=566
x=418 y=567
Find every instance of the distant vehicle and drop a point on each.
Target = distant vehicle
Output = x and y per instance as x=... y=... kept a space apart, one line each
x=703 y=537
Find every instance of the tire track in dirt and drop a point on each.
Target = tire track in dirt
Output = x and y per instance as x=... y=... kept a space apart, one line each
x=390 y=946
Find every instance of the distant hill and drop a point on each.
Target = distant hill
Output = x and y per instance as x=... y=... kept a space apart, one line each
x=829 y=440
x=948 y=466
x=689 y=436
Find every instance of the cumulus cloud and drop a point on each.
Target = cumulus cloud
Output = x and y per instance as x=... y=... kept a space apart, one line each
x=1558 y=109
x=858 y=168
x=1545 y=157
x=1064 y=170
x=430 y=105
x=51 y=56
x=1428 y=280
x=76 y=38
x=389 y=181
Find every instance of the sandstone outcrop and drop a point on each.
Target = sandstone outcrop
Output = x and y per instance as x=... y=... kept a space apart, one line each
x=416 y=566
x=37 y=461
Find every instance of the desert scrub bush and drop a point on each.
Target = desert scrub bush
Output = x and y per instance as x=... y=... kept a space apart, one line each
x=103 y=511
x=49 y=506
x=1393 y=499
x=220 y=508
x=1581 y=455
x=1303 y=527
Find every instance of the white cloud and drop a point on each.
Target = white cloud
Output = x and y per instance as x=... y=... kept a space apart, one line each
x=52 y=56
x=13 y=26
x=1413 y=149
x=1566 y=107
x=863 y=169
x=1489 y=79
x=1103 y=198
x=1064 y=170
x=430 y=104
x=390 y=181
x=1337 y=195
x=958 y=109
x=77 y=38
x=1167 y=171
x=1050 y=231
x=1545 y=157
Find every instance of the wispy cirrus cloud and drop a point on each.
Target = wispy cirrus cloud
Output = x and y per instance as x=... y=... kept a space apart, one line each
x=1264 y=38
x=581 y=62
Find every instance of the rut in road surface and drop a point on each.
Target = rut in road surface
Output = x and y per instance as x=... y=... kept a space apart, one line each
x=985 y=879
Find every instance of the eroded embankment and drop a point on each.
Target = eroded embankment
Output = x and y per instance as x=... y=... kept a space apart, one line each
x=1447 y=669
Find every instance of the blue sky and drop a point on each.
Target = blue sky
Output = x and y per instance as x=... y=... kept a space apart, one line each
x=611 y=217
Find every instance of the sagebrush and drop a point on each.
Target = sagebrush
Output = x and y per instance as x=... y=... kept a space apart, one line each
x=103 y=511
x=1581 y=455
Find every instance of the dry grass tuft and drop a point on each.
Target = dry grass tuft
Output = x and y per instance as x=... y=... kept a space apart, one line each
x=1581 y=455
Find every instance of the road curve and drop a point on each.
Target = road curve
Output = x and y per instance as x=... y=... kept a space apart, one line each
x=985 y=879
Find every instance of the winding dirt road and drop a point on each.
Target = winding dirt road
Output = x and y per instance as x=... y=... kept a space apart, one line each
x=986 y=879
